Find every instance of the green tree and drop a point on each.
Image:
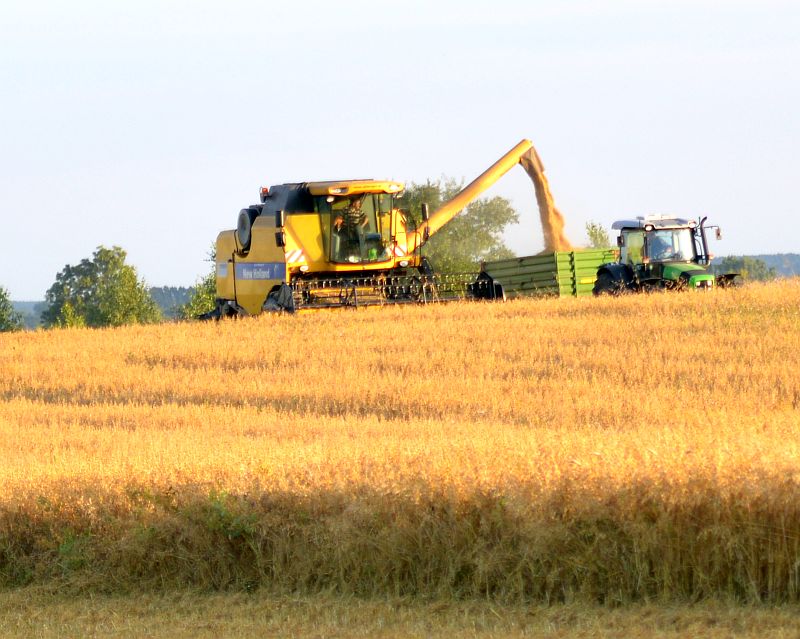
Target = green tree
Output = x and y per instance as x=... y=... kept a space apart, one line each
x=170 y=298
x=204 y=295
x=749 y=268
x=10 y=320
x=103 y=291
x=598 y=236
x=473 y=235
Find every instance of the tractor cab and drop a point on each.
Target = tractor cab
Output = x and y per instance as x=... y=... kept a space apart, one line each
x=650 y=241
x=660 y=252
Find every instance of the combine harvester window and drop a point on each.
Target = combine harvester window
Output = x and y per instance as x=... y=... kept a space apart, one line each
x=356 y=228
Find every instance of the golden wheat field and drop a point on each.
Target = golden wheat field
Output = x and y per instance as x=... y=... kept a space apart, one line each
x=606 y=451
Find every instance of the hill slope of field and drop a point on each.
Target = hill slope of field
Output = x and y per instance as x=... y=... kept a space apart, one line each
x=598 y=450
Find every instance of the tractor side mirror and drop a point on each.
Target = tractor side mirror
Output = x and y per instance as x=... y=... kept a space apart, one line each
x=719 y=233
x=280 y=238
x=425 y=212
x=620 y=241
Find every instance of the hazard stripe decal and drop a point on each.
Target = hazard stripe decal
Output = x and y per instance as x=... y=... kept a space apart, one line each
x=295 y=256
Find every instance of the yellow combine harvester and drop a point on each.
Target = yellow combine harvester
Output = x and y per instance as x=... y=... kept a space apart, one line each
x=345 y=243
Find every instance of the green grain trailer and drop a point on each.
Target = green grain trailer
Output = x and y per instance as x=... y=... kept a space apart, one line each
x=563 y=273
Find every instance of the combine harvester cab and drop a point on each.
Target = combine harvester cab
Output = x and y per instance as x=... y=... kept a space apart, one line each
x=329 y=234
x=661 y=253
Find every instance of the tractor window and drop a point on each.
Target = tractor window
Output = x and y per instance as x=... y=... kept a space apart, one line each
x=631 y=252
x=684 y=245
x=670 y=245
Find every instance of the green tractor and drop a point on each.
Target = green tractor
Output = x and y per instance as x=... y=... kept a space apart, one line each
x=661 y=253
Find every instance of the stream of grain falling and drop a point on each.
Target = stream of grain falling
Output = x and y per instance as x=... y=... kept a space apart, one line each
x=552 y=220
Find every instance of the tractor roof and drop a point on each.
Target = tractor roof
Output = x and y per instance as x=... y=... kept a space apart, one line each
x=353 y=187
x=656 y=222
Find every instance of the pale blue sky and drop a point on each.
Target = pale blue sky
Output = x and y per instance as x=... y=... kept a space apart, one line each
x=150 y=124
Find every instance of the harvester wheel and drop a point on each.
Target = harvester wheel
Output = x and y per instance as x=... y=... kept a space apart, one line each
x=279 y=299
x=222 y=310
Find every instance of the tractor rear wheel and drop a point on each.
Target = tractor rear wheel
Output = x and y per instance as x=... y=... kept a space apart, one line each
x=607 y=285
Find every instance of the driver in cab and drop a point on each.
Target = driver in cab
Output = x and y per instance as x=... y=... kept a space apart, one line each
x=660 y=248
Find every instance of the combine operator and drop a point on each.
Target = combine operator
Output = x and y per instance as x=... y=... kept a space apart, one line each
x=349 y=226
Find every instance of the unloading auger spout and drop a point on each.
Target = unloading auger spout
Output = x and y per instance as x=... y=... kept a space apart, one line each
x=523 y=153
